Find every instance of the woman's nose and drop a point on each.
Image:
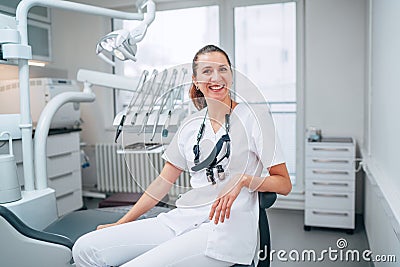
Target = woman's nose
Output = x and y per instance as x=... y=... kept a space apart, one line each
x=215 y=76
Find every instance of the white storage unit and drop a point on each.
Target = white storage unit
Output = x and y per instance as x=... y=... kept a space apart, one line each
x=63 y=169
x=330 y=184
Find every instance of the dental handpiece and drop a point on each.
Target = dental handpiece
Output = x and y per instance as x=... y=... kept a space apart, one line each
x=154 y=99
x=166 y=125
x=145 y=95
x=139 y=88
x=164 y=101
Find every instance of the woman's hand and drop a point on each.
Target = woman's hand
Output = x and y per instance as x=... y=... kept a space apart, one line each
x=102 y=226
x=221 y=208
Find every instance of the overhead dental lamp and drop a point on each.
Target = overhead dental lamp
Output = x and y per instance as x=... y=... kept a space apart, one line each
x=122 y=43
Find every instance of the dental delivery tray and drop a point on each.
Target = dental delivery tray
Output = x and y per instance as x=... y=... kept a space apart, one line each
x=142 y=146
x=138 y=123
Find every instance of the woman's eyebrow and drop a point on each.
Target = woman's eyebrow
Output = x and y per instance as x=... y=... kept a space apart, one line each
x=206 y=67
x=209 y=66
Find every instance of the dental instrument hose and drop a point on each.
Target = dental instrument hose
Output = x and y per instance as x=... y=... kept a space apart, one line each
x=119 y=128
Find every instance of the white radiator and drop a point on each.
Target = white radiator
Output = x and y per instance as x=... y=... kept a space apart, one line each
x=131 y=172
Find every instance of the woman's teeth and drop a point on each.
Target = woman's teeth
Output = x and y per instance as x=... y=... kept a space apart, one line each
x=216 y=87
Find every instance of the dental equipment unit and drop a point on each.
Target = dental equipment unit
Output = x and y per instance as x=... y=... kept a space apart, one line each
x=139 y=89
x=151 y=113
x=164 y=101
x=154 y=99
x=180 y=87
x=146 y=93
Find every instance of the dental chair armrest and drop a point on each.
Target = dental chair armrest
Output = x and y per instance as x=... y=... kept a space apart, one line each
x=266 y=199
x=24 y=229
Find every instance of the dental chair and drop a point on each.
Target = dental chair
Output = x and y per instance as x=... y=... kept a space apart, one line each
x=21 y=245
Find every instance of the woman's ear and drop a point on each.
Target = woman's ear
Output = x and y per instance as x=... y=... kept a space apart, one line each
x=195 y=81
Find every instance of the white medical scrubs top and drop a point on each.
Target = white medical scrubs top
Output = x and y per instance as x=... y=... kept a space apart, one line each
x=254 y=147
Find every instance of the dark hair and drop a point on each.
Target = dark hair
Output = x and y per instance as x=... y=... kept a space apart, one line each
x=196 y=95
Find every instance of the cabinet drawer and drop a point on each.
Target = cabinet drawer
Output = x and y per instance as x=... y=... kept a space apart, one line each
x=69 y=202
x=63 y=163
x=324 y=174
x=330 y=163
x=330 y=218
x=65 y=183
x=331 y=185
x=330 y=200
x=62 y=143
x=333 y=150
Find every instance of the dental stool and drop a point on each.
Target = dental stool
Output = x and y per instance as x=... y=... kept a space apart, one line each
x=21 y=245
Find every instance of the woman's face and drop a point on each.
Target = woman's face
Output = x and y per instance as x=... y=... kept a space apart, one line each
x=214 y=76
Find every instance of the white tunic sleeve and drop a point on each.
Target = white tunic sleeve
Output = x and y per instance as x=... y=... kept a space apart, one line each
x=265 y=139
x=174 y=153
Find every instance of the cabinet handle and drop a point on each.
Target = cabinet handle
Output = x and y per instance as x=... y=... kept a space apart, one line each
x=330 y=184
x=330 y=161
x=59 y=155
x=65 y=195
x=329 y=149
x=329 y=195
x=330 y=172
x=60 y=175
x=330 y=213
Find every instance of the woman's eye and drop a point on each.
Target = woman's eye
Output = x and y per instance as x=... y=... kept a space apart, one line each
x=206 y=71
x=223 y=69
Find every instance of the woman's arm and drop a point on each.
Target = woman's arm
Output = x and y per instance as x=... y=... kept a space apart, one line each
x=153 y=194
x=278 y=181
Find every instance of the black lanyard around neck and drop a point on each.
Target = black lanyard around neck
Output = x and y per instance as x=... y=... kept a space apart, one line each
x=211 y=161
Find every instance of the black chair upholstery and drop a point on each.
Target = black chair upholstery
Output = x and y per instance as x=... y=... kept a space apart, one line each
x=27 y=231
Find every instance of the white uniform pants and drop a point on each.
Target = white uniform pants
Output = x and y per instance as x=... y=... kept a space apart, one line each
x=141 y=243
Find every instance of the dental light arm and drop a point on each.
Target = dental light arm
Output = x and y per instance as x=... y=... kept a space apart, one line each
x=109 y=80
x=122 y=43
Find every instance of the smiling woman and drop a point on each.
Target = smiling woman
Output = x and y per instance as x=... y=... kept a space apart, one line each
x=212 y=76
x=220 y=213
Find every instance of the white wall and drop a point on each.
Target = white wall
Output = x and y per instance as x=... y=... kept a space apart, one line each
x=334 y=71
x=74 y=39
x=335 y=33
x=382 y=146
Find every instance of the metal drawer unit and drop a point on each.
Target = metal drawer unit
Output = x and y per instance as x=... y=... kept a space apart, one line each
x=330 y=184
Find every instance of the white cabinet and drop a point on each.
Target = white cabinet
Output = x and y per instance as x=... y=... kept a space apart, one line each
x=330 y=184
x=63 y=169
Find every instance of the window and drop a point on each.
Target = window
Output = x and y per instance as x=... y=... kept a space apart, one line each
x=265 y=51
x=172 y=39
